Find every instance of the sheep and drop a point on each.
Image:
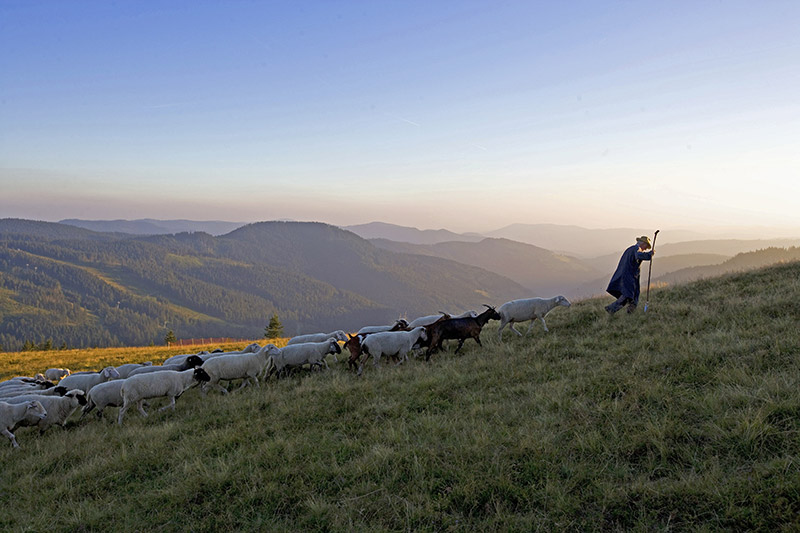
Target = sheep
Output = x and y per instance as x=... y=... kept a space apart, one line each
x=191 y=362
x=339 y=335
x=58 y=408
x=400 y=324
x=394 y=343
x=126 y=369
x=459 y=328
x=205 y=356
x=169 y=383
x=312 y=353
x=85 y=382
x=178 y=359
x=17 y=387
x=246 y=367
x=527 y=309
x=430 y=319
x=103 y=395
x=13 y=414
x=54 y=374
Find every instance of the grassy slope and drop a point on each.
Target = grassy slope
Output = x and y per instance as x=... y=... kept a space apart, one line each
x=684 y=418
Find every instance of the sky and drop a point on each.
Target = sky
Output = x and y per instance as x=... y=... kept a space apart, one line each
x=464 y=115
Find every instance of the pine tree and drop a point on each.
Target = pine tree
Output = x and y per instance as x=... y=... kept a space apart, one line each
x=275 y=328
x=169 y=338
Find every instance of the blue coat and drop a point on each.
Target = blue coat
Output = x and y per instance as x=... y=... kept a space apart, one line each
x=625 y=281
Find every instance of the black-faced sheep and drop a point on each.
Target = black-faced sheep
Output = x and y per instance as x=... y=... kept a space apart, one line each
x=169 y=383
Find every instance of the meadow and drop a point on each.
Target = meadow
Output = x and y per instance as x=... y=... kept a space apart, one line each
x=684 y=418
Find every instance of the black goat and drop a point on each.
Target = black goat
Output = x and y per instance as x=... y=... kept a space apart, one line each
x=458 y=328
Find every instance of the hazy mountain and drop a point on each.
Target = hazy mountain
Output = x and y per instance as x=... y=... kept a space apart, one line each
x=83 y=288
x=583 y=242
x=49 y=230
x=544 y=272
x=382 y=230
x=149 y=226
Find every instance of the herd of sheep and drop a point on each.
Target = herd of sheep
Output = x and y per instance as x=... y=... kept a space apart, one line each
x=50 y=398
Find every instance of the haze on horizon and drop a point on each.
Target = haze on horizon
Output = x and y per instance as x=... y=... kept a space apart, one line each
x=461 y=115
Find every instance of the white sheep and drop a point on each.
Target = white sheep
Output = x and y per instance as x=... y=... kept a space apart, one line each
x=400 y=324
x=527 y=309
x=102 y=395
x=339 y=335
x=205 y=356
x=12 y=414
x=126 y=369
x=169 y=383
x=312 y=353
x=190 y=362
x=58 y=408
x=85 y=382
x=390 y=343
x=430 y=319
x=246 y=366
x=54 y=374
x=17 y=387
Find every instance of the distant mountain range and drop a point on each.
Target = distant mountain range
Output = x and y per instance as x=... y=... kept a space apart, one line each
x=85 y=288
x=546 y=273
x=149 y=226
x=404 y=234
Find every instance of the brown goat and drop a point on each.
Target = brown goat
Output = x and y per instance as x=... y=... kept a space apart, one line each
x=458 y=328
x=353 y=344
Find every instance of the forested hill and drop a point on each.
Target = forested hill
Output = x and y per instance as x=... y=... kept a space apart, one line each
x=81 y=288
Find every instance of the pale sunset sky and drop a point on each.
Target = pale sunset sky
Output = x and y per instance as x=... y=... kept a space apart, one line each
x=465 y=115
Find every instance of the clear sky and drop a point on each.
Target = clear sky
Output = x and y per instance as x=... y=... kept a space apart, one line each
x=457 y=114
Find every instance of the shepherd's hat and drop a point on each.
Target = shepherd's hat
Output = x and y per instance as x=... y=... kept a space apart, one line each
x=643 y=240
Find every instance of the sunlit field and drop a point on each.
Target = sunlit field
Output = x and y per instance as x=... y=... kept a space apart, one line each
x=683 y=418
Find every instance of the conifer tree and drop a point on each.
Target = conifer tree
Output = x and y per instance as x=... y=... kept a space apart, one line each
x=169 y=338
x=275 y=328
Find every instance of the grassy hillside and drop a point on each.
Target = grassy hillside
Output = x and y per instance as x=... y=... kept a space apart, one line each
x=685 y=418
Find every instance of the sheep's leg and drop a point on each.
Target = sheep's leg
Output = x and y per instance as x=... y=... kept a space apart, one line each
x=500 y=330
x=141 y=408
x=122 y=410
x=511 y=325
x=171 y=404
x=543 y=323
x=11 y=437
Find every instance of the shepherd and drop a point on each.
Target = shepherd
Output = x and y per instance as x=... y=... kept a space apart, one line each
x=624 y=284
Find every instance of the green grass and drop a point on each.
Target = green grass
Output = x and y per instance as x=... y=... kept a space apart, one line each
x=686 y=418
